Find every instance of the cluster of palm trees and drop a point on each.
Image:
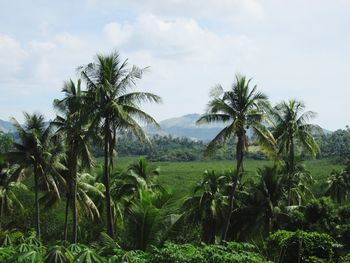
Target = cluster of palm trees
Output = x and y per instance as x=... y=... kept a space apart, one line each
x=279 y=130
x=58 y=153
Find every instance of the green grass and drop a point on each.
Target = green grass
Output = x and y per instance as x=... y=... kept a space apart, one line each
x=181 y=177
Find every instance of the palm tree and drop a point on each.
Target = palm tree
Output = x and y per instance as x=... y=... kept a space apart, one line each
x=89 y=192
x=35 y=151
x=8 y=189
x=301 y=182
x=141 y=175
x=291 y=126
x=240 y=108
x=208 y=203
x=109 y=81
x=73 y=127
x=339 y=185
x=149 y=218
x=271 y=193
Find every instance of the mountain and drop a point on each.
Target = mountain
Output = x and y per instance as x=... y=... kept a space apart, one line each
x=185 y=126
x=6 y=126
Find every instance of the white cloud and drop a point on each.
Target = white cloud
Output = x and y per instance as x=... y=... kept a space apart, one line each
x=179 y=37
x=213 y=9
x=68 y=40
x=42 y=46
x=11 y=54
x=117 y=33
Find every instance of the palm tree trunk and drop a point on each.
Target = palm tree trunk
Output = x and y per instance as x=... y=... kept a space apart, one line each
x=110 y=229
x=66 y=218
x=290 y=169
x=110 y=165
x=73 y=179
x=37 y=208
x=1 y=212
x=239 y=170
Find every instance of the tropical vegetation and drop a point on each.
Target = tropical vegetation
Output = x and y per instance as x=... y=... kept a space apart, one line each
x=66 y=195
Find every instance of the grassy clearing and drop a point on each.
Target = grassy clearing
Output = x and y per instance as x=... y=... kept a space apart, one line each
x=180 y=177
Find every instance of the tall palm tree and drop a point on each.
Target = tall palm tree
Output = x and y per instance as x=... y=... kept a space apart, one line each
x=36 y=152
x=240 y=108
x=74 y=128
x=109 y=81
x=208 y=203
x=339 y=185
x=291 y=127
x=8 y=188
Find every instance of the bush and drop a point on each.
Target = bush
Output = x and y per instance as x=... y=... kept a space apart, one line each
x=346 y=258
x=174 y=253
x=344 y=234
x=187 y=253
x=344 y=214
x=321 y=214
x=300 y=246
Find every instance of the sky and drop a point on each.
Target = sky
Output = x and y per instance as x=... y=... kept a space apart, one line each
x=293 y=49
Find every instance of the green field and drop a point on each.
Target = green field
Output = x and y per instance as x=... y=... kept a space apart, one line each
x=180 y=177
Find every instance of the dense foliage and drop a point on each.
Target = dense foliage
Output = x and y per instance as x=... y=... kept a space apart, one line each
x=173 y=149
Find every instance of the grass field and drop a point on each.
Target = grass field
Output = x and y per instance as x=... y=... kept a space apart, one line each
x=180 y=177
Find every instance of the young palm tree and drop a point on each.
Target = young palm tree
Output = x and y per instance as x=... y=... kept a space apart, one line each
x=302 y=180
x=89 y=193
x=208 y=203
x=73 y=127
x=109 y=81
x=339 y=185
x=291 y=127
x=35 y=152
x=142 y=175
x=8 y=189
x=270 y=192
x=149 y=218
x=240 y=108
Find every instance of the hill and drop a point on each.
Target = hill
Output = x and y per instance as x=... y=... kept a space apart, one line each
x=185 y=126
x=6 y=126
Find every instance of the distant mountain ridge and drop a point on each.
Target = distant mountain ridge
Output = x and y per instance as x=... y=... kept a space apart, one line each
x=183 y=126
x=6 y=126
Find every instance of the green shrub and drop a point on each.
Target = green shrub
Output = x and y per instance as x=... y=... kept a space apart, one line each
x=300 y=246
x=319 y=210
x=186 y=253
x=174 y=253
x=346 y=258
x=344 y=214
x=344 y=234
